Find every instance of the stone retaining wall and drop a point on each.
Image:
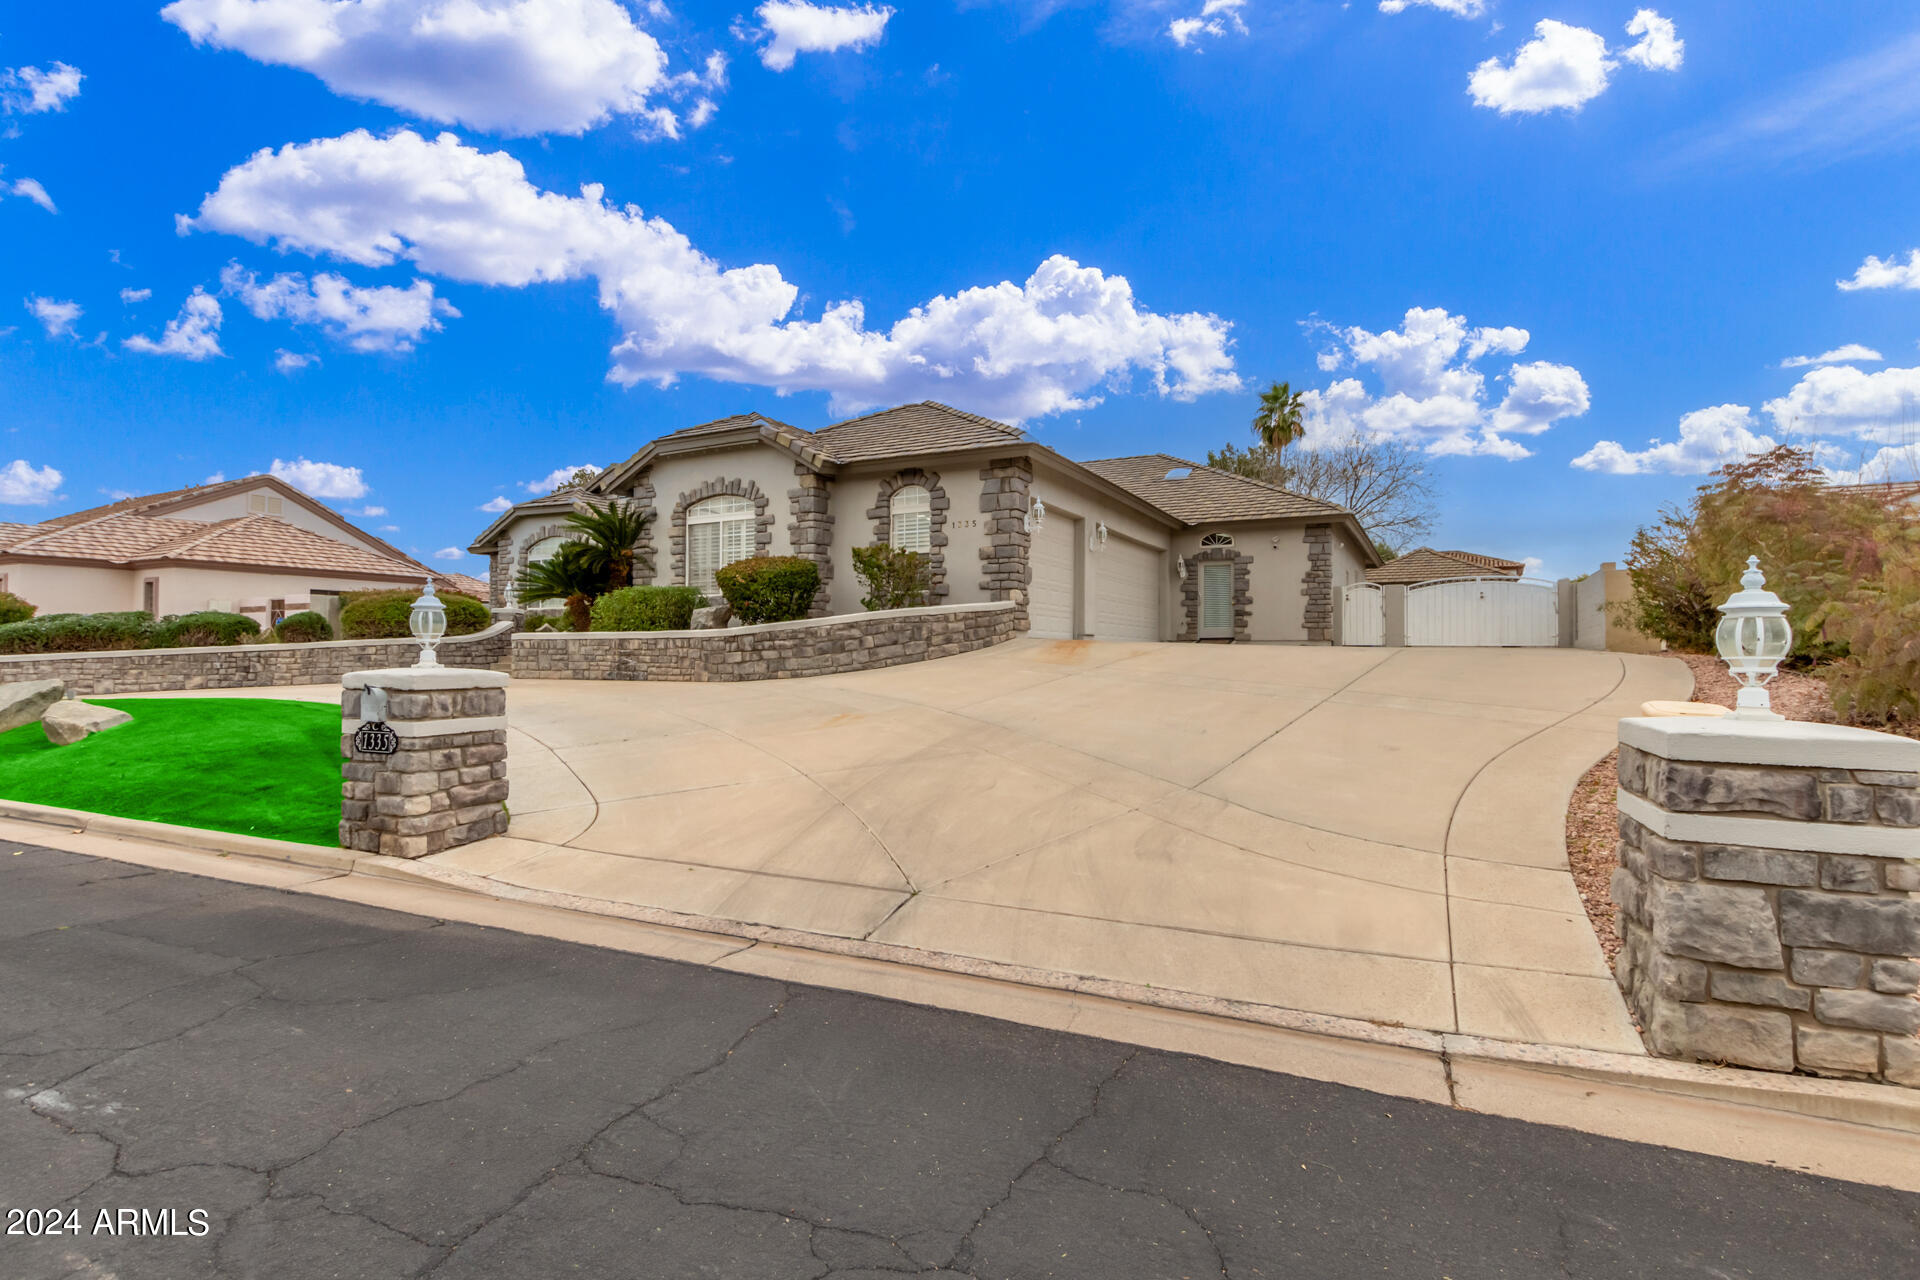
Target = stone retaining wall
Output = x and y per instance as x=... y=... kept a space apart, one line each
x=247 y=666
x=775 y=651
x=1770 y=911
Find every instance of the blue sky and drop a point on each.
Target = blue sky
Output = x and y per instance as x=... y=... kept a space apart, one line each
x=1566 y=246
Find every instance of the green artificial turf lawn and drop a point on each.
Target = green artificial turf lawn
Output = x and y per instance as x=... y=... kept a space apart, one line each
x=257 y=766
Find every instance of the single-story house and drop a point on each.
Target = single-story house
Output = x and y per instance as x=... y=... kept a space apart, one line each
x=1899 y=495
x=1424 y=564
x=255 y=545
x=1142 y=548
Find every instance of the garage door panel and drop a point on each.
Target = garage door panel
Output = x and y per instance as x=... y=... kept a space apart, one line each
x=1054 y=587
x=1126 y=592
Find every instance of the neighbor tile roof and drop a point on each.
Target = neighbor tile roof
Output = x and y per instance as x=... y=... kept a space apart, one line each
x=1424 y=564
x=463 y=582
x=1205 y=494
x=243 y=540
x=733 y=422
x=927 y=427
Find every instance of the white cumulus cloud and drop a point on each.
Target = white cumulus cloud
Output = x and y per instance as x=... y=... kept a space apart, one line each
x=1430 y=391
x=1565 y=67
x=194 y=334
x=516 y=67
x=1886 y=466
x=1840 y=400
x=1708 y=439
x=553 y=480
x=1458 y=8
x=29 y=90
x=1851 y=353
x=1013 y=350
x=292 y=362
x=131 y=296
x=449 y=553
x=1890 y=273
x=56 y=315
x=321 y=479
x=369 y=513
x=1659 y=47
x=793 y=27
x=1216 y=18
x=24 y=485
x=385 y=318
x=497 y=505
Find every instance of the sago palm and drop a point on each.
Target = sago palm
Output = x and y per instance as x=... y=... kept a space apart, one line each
x=569 y=574
x=608 y=534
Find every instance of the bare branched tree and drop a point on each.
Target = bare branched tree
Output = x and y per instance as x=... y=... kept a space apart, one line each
x=1385 y=483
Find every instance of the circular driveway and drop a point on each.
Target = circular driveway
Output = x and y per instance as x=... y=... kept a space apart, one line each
x=1368 y=833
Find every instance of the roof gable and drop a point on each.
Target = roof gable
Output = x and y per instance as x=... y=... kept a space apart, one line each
x=1205 y=495
x=927 y=427
x=1424 y=564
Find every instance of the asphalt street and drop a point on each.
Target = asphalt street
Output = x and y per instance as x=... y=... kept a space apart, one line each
x=345 y=1092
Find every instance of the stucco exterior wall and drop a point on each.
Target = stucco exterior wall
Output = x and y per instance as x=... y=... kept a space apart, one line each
x=191 y=590
x=854 y=492
x=1279 y=552
x=60 y=588
x=766 y=467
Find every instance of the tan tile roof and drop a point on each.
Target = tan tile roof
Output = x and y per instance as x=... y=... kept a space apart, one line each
x=139 y=502
x=12 y=533
x=1424 y=564
x=243 y=540
x=465 y=583
x=927 y=427
x=733 y=422
x=1204 y=494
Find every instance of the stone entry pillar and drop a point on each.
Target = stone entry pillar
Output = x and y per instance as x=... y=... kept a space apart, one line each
x=1769 y=894
x=446 y=783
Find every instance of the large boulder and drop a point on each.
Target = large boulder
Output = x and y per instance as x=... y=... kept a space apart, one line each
x=24 y=702
x=712 y=618
x=66 y=723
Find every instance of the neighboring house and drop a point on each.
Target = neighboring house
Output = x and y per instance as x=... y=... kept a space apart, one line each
x=1141 y=548
x=1902 y=495
x=1424 y=564
x=256 y=546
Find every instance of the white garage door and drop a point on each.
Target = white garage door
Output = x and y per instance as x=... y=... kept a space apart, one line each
x=1050 y=612
x=1126 y=586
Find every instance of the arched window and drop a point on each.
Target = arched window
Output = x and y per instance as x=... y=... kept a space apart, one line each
x=719 y=531
x=1217 y=540
x=544 y=549
x=910 y=518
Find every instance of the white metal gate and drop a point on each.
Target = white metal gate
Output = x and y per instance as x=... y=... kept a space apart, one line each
x=1363 y=614
x=1488 y=612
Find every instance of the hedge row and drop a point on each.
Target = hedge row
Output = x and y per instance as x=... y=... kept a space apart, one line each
x=383 y=615
x=769 y=588
x=647 y=609
x=89 y=632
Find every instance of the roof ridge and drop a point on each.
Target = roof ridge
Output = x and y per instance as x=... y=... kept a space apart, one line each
x=981 y=418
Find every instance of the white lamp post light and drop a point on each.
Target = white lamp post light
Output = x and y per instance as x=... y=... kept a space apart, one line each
x=1753 y=637
x=428 y=622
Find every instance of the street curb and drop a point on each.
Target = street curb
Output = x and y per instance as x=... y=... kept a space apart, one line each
x=195 y=838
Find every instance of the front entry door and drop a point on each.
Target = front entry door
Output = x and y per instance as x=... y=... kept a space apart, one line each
x=1216 y=600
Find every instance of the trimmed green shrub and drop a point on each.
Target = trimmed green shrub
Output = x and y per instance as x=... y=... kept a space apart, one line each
x=14 y=609
x=895 y=579
x=383 y=615
x=195 y=630
x=303 y=628
x=79 y=633
x=647 y=609
x=769 y=588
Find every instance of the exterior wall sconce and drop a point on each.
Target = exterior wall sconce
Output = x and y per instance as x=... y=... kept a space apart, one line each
x=1098 y=538
x=1180 y=566
x=1036 y=515
x=428 y=622
x=1753 y=636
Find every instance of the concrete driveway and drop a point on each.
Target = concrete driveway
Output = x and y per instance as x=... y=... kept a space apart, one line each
x=1369 y=833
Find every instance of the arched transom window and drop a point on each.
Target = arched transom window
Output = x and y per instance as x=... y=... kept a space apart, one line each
x=719 y=531
x=1217 y=540
x=544 y=549
x=910 y=518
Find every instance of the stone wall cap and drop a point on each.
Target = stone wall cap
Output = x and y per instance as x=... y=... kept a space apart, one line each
x=425 y=678
x=1855 y=839
x=1791 y=743
x=798 y=624
x=455 y=642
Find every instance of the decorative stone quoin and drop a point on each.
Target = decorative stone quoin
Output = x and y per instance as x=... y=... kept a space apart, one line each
x=446 y=784
x=1769 y=894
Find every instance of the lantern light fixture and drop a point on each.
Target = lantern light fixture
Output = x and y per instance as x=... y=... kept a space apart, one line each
x=1036 y=515
x=1752 y=638
x=428 y=622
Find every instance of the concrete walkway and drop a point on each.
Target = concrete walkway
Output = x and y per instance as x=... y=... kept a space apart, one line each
x=1367 y=833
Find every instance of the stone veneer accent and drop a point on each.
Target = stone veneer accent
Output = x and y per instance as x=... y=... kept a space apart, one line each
x=247 y=666
x=735 y=487
x=1242 y=592
x=499 y=572
x=773 y=651
x=1774 y=957
x=811 y=532
x=444 y=787
x=881 y=513
x=644 y=562
x=1006 y=487
x=1317 y=584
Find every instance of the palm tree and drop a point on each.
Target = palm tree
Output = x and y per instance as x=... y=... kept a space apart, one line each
x=1279 y=422
x=608 y=534
x=569 y=574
